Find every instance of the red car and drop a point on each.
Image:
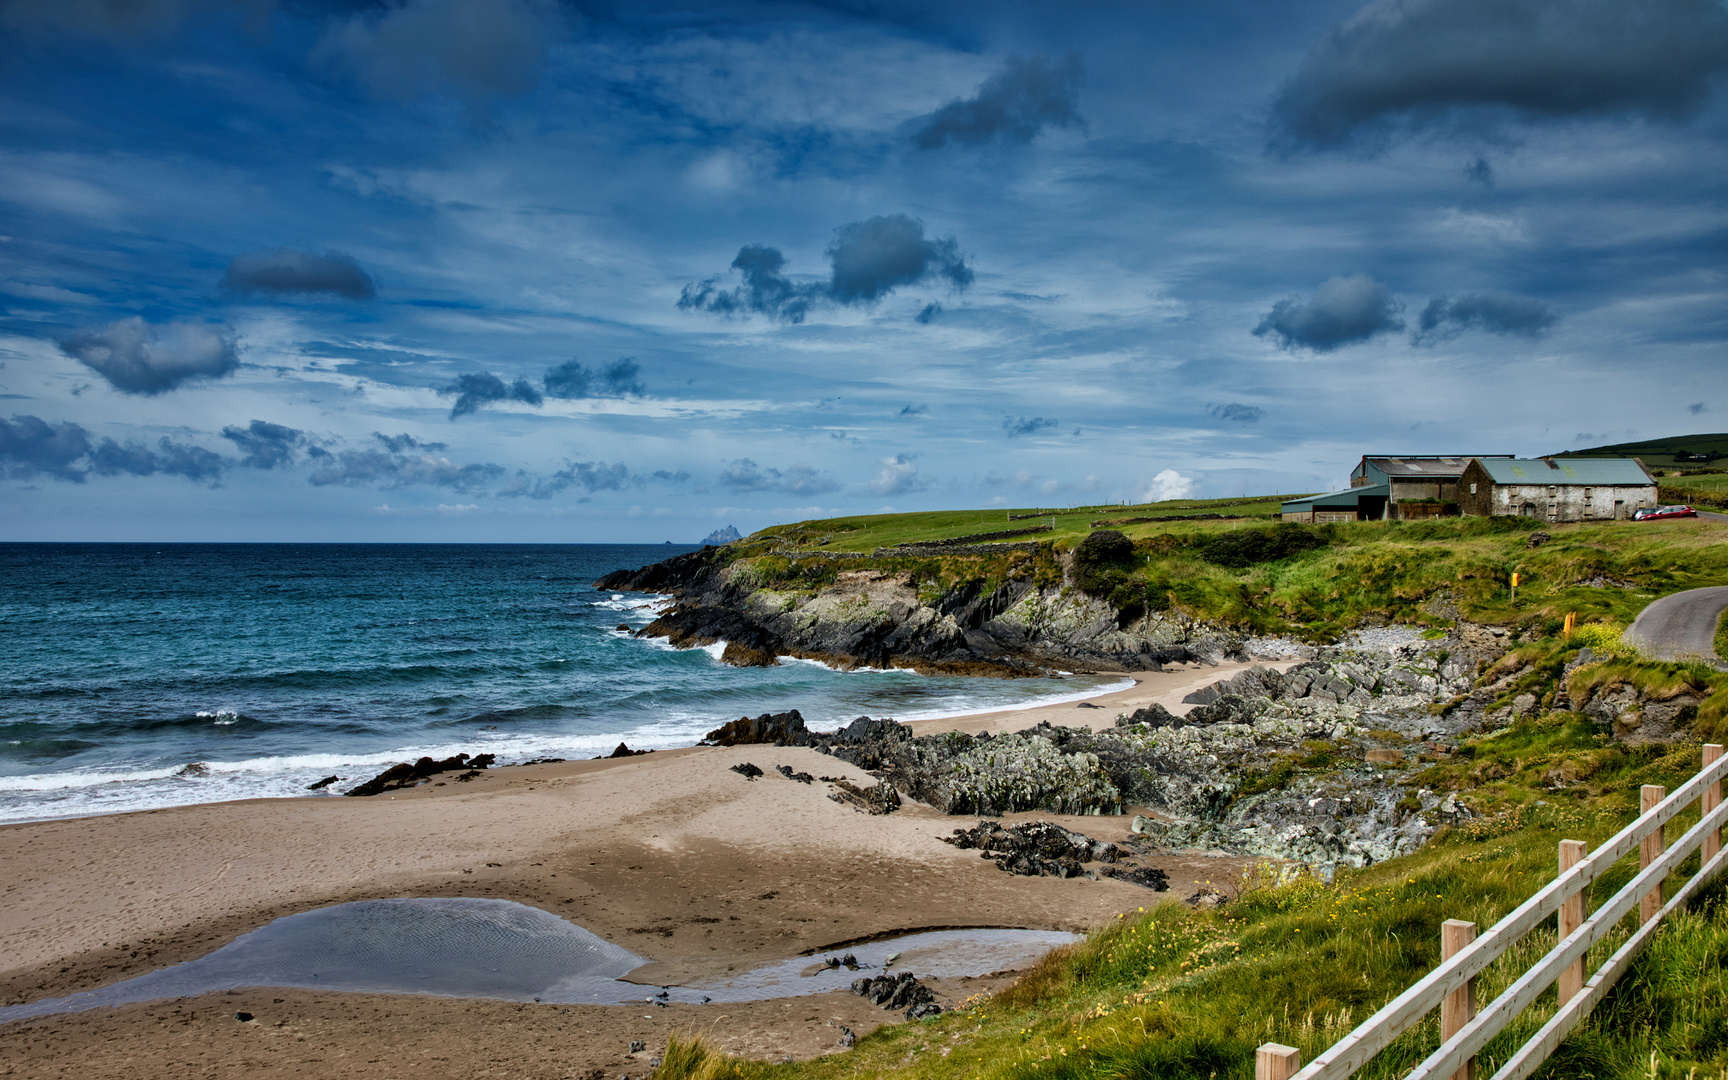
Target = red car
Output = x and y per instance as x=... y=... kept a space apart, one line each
x=1657 y=513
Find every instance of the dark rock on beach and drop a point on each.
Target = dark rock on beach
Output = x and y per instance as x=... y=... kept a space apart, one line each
x=747 y=770
x=801 y=777
x=1035 y=848
x=324 y=783
x=405 y=775
x=1149 y=876
x=776 y=729
x=902 y=991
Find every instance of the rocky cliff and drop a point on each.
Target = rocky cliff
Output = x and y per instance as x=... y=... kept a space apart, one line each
x=881 y=618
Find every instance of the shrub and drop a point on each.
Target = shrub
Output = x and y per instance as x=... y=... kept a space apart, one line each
x=1102 y=563
x=1238 y=550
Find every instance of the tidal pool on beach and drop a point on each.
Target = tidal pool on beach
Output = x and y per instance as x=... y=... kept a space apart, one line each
x=502 y=949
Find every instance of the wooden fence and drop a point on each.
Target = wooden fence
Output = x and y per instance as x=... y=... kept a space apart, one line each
x=1451 y=987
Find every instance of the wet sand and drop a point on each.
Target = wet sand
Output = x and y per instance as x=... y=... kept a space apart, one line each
x=670 y=854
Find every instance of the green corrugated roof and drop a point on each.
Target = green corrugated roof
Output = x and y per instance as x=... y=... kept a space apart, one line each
x=1336 y=500
x=1604 y=471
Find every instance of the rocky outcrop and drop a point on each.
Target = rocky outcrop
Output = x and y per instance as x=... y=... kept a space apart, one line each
x=873 y=618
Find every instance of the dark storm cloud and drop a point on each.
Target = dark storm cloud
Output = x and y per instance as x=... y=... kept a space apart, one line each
x=285 y=270
x=400 y=461
x=766 y=289
x=868 y=260
x=1012 y=106
x=32 y=447
x=928 y=315
x=1239 y=413
x=116 y=20
x=1422 y=62
x=872 y=258
x=401 y=444
x=475 y=390
x=476 y=48
x=796 y=479
x=1446 y=317
x=1344 y=311
x=1480 y=172
x=264 y=445
x=620 y=378
x=139 y=358
x=169 y=458
x=1016 y=426
x=590 y=476
x=665 y=476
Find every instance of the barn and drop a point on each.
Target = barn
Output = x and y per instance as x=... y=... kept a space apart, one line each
x=1556 y=489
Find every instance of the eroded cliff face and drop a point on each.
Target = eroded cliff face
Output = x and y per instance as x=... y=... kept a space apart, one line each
x=870 y=618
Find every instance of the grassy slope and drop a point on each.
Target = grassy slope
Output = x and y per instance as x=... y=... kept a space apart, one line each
x=1174 y=992
x=1658 y=453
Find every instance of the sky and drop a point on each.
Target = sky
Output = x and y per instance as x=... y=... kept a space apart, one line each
x=530 y=270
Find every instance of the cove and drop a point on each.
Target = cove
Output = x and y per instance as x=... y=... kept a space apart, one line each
x=502 y=949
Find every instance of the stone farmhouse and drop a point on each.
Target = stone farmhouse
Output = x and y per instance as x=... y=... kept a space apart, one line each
x=1414 y=487
x=1556 y=489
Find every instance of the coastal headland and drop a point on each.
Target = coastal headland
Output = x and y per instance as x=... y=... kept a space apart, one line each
x=671 y=854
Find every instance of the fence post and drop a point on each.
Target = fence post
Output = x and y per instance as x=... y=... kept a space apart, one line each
x=1712 y=799
x=1571 y=918
x=1276 y=1062
x=1650 y=850
x=1460 y=1005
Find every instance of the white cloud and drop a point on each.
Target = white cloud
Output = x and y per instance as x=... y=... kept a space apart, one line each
x=1169 y=484
x=898 y=476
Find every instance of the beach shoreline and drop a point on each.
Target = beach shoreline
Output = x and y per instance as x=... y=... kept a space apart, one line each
x=670 y=854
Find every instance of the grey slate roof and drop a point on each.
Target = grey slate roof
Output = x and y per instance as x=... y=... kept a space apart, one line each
x=1576 y=470
x=1417 y=467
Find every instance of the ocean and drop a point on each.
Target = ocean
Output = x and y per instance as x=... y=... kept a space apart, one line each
x=136 y=676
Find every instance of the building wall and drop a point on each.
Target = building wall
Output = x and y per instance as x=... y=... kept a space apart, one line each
x=1475 y=491
x=1571 y=502
x=1304 y=516
x=1550 y=502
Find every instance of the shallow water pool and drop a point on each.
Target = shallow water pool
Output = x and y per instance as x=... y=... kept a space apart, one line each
x=502 y=949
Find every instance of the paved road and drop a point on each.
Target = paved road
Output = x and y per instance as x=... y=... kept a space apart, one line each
x=1681 y=626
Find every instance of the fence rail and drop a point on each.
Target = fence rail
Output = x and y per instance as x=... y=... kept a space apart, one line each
x=1463 y=1035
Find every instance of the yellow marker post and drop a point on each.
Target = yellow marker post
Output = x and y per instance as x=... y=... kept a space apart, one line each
x=1514 y=585
x=1571 y=620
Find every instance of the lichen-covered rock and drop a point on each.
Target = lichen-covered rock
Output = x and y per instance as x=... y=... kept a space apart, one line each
x=1034 y=848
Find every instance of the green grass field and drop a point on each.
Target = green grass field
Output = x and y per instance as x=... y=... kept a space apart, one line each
x=868 y=532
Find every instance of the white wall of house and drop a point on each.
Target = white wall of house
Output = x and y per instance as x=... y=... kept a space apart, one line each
x=1572 y=502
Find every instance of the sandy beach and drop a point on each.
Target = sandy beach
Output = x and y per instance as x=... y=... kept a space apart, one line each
x=671 y=855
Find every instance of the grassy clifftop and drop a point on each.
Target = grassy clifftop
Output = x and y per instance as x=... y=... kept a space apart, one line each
x=1255 y=575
